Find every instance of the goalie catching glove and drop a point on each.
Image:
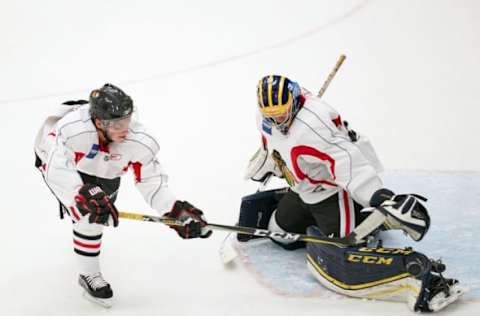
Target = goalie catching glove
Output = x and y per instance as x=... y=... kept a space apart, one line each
x=92 y=201
x=403 y=212
x=194 y=223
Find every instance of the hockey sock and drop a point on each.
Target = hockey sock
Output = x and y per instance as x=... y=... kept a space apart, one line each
x=86 y=244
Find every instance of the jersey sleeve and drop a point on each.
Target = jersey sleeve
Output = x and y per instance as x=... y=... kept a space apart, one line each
x=60 y=172
x=355 y=173
x=333 y=159
x=152 y=180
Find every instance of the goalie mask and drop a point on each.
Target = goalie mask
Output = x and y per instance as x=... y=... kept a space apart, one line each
x=278 y=100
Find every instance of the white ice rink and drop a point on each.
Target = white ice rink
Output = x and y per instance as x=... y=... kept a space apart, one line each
x=410 y=82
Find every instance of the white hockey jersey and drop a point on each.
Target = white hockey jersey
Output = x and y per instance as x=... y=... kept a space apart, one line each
x=68 y=142
x=317 y=157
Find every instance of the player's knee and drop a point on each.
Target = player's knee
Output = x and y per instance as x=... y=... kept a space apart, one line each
x=258 y=210
x=273 y=225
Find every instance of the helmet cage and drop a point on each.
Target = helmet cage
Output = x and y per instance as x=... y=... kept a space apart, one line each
x=278 y=101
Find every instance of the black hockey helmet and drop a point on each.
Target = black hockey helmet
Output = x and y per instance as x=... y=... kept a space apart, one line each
x=110 y=103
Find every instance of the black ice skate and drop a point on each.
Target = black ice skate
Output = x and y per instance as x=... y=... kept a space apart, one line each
x=97 y=290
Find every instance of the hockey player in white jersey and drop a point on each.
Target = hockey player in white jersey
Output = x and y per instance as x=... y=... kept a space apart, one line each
x=335 y=191
x=82 y=151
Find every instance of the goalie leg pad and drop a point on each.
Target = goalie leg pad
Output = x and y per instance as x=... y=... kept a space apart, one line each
x=256 y=210
x=358 y=267
x=390 y=274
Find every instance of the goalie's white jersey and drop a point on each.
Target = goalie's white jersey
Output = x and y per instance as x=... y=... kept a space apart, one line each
x=68 y=142
x=317 y=157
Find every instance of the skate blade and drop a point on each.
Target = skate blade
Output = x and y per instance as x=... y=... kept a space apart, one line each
x=103 y=302
x=440 y=301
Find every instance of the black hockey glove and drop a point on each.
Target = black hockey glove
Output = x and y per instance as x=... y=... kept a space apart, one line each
x=403 y=211
x=92 y=201
x=194 y=223
x=351 y=133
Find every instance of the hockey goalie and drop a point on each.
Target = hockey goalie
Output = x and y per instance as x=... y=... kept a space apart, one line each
x=335 y=191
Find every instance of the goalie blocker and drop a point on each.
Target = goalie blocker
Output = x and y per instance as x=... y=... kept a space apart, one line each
x=390 y=274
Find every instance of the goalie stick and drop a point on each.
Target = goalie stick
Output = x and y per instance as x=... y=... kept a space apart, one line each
x=226 y=251
x=332 y=74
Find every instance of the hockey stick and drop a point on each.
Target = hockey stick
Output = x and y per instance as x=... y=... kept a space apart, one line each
x=331 y=75
x=376 y=218
x=320 y=93
x=337 y=242
x=226 y=251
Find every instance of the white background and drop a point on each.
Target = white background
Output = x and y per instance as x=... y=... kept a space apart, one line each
x=410 y=82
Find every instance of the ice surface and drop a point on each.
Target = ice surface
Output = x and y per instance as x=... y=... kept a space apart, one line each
x=410 y=82
x=454 y=205
x=284 y=272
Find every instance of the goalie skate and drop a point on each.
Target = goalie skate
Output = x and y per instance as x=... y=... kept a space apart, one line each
x=441 y=300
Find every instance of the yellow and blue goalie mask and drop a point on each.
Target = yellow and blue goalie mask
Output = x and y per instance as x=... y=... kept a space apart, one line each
x=278 y=100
